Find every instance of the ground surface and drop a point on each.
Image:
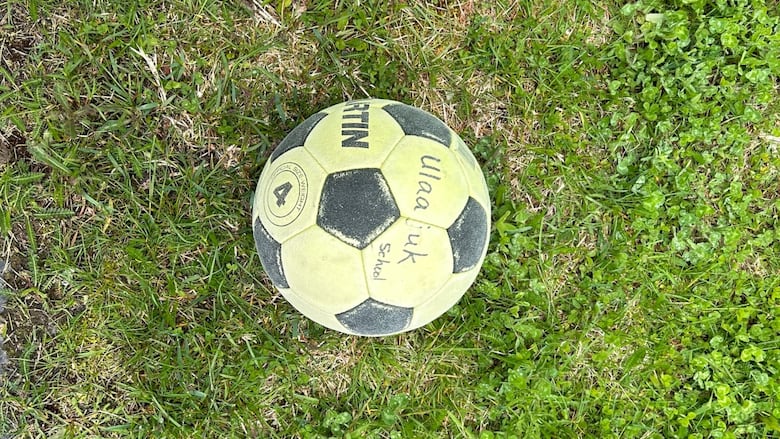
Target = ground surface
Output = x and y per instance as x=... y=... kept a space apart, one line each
x=631 y=287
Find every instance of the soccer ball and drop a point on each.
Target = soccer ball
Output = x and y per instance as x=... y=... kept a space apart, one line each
x=371 y=217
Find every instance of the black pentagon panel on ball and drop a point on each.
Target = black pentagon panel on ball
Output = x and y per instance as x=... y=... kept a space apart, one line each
x=416 y=122
x=298 y=135
x=270 y=253
x=468 y=236
x=376 y=318
x=356 y=206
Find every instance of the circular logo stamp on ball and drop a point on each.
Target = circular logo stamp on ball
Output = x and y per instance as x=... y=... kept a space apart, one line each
x=285 y=195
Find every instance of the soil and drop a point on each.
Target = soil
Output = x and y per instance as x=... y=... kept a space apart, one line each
x=12 y=147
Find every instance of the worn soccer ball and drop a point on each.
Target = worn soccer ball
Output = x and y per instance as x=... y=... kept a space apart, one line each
x=372 y=217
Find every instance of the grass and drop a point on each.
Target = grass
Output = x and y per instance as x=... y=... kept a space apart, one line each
x=631 y=287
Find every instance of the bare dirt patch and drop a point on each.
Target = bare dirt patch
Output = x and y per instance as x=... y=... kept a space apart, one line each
x=12 y=147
